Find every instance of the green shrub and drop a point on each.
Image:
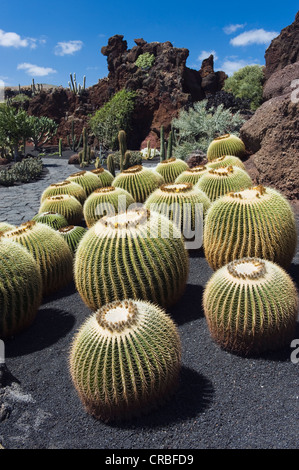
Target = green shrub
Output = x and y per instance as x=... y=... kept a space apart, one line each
x=199 y=125
x=112 y=117
x=247 y=83
x=21 y=98
x=24 y=172
x=145 y=61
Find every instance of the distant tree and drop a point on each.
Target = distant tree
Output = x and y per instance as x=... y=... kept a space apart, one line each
x=14 y=128
x=247 y=83
x=41 y=130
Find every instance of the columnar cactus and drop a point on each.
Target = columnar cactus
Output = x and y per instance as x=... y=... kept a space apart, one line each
x=125 y=360
x=217 y=183
x=5 y=227
x=50 y=251
x=184 y=204
x=89 y=181
x=138 y=181
x=66 y=205
x=170 y=169
x=65 y=187
x=111 y=164
x=226 y=160
x=52 y=219
x=257 y=222
x=20 y=288
x=251 y=306
x=135 y=254
x=72 y=235
x=106 y=201
x=227 y=144
x=104 y=176
x=191 y=175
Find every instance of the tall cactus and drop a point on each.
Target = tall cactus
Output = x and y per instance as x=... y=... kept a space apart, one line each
x=162 y=146
x=169 y=145
x=111 y=164
x=72 y=139
x=122 y=140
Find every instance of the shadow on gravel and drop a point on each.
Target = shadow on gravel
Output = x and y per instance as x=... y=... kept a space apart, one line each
x=49 y=326
x=189 y=307
x=294 y=273
x=193 y=396
x=70 y=289
x=282 y=355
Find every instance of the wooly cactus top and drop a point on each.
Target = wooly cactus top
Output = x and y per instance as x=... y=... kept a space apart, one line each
x=226 y=160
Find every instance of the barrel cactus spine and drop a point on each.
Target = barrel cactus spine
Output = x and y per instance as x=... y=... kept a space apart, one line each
x=251 y=306
x=72 y=235
x=226 y=160
x=20 y=288
x=49 y=250
x=218 y=182
x=65 y=187
x=125 y=360
x=256 y=222
x=104 y=176
x=170 y=169
x=66 y=205
x=5 y=227
x=138 y=181
x=227 y=144
x=106 y=201
x=191 y=175
x=52 y=219
x=135 y=254
x=88 y=180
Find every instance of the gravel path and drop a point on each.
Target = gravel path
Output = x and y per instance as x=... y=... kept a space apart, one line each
x=223 y=401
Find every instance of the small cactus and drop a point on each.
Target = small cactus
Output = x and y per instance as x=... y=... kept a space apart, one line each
x=135 y=254
x=257 y=222
x=65 y=187
x=72 y=235
x=104 y=176
x=217 y=183
x=125 y=360
x=227 y=144
x=251 y=306
x=226 y=160
x=88 y=180
x=138 y=181
x=191 y=175
x=66 y=205
x=52 y=219
x=170 y=169
x=105 y=201
x=20 y=288
x=49 y=250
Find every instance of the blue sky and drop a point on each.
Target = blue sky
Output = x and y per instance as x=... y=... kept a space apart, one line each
x=49 y=40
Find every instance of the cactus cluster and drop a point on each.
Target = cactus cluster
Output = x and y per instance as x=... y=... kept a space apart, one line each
x=218 y=182
x=137 y=254
x=52 y=219
x=72 y=234
x=256 y=222
x=125 y=360
x=138 y=181
x=191 y=175
x=20 y=288
x=227 y=144
x=183 y=203
x=66 y=205
x=104 y=176
x=88 y=180
x=226 y=160
x=251 y=306
x=65 y=187
x=106 y=201
x=171 y=168
x=49 y=250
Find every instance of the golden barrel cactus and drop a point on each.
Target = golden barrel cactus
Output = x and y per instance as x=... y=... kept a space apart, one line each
x=227 y=144
x=66 y=205
x=65 y=187
x=171 y=168
x=138 y=181
x=226 y=160
x=192 y=175
x=88 y=180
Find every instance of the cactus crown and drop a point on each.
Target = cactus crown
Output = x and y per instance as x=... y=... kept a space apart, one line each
x=221 y=137
x=128 y=219
x=247 y=268
x=117 y=316
x=79 y=173
x=59 y=185
x=249 y=194
x=107 y=189
x=67 y=229
x=97 y=171
x=226 y=171
x=133 y=169
x=59 y=197
x=169 y=160
x=176 y=187
x=197 y=169
x=21 y=229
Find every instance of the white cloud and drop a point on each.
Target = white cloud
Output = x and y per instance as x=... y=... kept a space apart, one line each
x=232 y=28
x=68 y=48
x=254 y=36
x=205 y=54
x=231 y=66
x=15 y=40
x=35 y=70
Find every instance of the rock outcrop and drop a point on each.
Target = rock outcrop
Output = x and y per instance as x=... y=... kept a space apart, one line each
x=272 y=134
